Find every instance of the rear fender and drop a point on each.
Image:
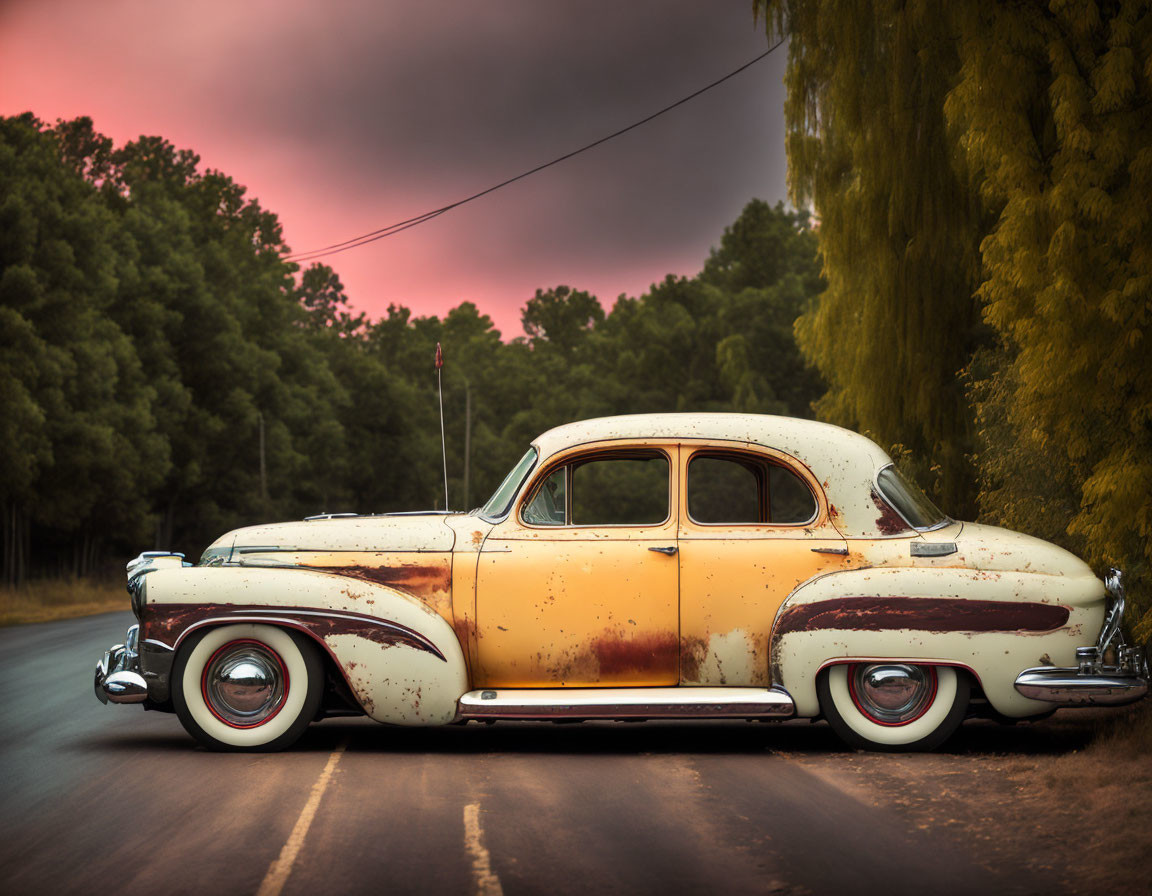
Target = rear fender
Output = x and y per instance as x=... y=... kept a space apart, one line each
x=993 y=624
x=401 y=660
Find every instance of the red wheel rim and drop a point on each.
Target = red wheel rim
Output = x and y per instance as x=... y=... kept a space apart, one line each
x=922 y=698
x=244 y=684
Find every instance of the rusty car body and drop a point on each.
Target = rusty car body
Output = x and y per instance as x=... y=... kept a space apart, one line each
x=638 y=567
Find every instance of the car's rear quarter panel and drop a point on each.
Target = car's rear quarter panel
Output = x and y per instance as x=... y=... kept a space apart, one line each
x=993 y=623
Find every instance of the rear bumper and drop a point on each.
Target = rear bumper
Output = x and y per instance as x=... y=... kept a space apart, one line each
x=1109 y=674
x=1071 y=687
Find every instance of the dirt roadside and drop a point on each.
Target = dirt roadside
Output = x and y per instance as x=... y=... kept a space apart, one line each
x=53 y=599
x=1069 y=797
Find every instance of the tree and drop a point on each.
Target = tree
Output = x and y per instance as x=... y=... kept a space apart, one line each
x=1065 y=154
x=561 y=317
x=74 y=379
x=900 y=225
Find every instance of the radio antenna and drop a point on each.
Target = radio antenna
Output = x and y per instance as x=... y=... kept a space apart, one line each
x=443 y=443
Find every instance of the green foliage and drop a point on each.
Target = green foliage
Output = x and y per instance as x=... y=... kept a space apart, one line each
x=993 y=158
x=1065 y=156
x=165 y=375
x=899 y=225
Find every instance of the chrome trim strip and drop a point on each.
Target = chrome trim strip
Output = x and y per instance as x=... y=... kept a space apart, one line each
x=627 y=703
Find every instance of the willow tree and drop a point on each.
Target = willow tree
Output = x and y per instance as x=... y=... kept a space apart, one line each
x=1053 y=108
x=899 y=225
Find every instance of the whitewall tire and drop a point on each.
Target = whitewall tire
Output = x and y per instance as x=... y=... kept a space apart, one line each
x=247 y=687
x=893 y=706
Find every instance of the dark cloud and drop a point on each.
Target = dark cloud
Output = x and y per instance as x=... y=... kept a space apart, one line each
x=446 y=97
x=403 y=106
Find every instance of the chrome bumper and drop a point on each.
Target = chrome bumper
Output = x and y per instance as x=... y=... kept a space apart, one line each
x=1109 y=674
x=118 y=678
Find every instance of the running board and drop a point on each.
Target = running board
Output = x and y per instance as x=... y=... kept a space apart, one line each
x=627 y=703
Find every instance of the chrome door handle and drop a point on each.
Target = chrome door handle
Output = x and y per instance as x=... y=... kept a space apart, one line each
x=668 y=551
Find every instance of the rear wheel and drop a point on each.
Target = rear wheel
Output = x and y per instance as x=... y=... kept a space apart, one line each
x=247 y=687
x=893 y=706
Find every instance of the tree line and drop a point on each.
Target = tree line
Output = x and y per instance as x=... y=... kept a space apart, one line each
x=166 y=375
x=981 y=172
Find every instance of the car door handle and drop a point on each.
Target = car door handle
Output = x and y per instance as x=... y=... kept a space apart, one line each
x=668 y=551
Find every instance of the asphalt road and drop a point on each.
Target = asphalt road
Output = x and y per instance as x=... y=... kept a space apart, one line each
x=114 y=799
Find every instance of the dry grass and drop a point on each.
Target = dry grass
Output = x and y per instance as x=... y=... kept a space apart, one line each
x=1110 y=781
x=59 y=599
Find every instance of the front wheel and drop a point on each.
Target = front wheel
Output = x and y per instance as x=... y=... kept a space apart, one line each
x=893 y=706
x=247 y=687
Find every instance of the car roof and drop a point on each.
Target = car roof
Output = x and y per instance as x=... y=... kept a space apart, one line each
x=844 y=462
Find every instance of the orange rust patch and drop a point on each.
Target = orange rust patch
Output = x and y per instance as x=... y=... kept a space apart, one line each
x=414 y=578
x=465 y=630
x=477 y=537
x=644 y=654
x=616 y=657
x=693 y=652
x=428 y=582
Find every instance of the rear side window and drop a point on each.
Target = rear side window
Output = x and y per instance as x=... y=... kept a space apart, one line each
x=909 y=500
x=725 y=490
x=737 y=489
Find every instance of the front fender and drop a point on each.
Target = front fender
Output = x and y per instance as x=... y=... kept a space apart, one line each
x=994 y=624
x=401 y=660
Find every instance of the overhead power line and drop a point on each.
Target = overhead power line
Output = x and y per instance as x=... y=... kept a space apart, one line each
x=400 y=226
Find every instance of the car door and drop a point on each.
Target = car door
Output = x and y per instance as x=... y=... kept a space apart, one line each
x=754 y=524
x=579 y=586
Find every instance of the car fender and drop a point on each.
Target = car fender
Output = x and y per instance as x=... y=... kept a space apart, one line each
x=993 y=624
x=400 y=659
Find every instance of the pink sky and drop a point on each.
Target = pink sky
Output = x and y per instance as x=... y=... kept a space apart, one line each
x=346 y=116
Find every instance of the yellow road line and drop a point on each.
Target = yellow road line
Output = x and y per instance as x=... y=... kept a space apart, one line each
x=279 y=870
x=485 y=879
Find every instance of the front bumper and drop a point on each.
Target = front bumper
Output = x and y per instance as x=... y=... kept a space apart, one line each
x=118 y=678
x=1108 y=674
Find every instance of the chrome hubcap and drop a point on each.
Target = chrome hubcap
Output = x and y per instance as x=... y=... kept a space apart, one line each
x=892 y=693
x=244 y=684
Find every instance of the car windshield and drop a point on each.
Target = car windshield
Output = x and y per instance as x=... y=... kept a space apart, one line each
x=909 y=500
x=501 y=502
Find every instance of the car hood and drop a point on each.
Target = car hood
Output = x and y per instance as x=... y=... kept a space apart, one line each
x=399 y=532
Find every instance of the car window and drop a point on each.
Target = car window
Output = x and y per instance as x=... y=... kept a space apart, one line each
x=738 y=489
x=907 y=497
x=620 y=491
x=789 y=498
x=547 y=507
x=501 y=502
x=725 y=490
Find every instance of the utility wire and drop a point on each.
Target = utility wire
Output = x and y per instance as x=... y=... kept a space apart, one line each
x=399 y=226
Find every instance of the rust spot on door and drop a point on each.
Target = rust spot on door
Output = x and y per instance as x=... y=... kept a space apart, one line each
x=693 y=652
x=644 y=654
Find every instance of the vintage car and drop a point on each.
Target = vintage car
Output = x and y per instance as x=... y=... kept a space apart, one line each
x=671 y=566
